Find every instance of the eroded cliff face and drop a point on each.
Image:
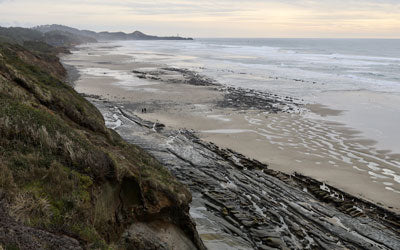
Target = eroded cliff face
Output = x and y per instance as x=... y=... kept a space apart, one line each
x=66 y=181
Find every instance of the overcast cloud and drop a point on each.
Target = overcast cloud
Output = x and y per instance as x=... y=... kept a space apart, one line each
x=211 y=18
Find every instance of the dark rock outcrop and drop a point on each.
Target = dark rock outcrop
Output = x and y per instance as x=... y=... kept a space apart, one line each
x=250 y=206
x=234 y=97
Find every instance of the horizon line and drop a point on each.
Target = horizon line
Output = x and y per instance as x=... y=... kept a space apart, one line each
x=207 y=37
x=380 y=38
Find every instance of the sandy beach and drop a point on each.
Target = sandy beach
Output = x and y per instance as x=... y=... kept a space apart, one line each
x=288 y=136
x=195 y=125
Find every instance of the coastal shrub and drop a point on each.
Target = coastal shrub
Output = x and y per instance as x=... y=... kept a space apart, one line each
x=40 y=47
x=41 y=81
x=61 y=169
x=6 y=178
x=28 y=207
x=53 y=197
x=89 y=234
x=32 y=130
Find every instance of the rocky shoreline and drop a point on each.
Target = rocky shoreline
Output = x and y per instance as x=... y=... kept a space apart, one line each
x=233 y=97
x=239 y=203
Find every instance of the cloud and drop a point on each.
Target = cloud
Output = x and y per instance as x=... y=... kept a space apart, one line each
x=378 y=18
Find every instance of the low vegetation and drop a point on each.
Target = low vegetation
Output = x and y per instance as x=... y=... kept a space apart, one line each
x=61 y=169
x=57 y=37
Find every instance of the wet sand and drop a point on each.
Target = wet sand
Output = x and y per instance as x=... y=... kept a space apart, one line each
x=288 y=141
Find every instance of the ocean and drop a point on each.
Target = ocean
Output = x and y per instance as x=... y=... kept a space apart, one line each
x=346 y=134
x=361 y=77
x=356 y=80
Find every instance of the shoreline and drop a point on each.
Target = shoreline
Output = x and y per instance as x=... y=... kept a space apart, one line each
x=209 y=109
x=197 y=163
x=218 y=178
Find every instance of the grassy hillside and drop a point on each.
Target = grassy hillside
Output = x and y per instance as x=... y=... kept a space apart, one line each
x=62 y=170
x=54 y=38
x=19 y=35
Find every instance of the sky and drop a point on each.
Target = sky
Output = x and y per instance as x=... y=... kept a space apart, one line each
x=214 y=18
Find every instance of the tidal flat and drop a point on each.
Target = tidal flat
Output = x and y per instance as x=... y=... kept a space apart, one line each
x=259 y=165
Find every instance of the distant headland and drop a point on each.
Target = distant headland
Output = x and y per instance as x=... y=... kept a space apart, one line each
x=105 y=35
x=61 y=35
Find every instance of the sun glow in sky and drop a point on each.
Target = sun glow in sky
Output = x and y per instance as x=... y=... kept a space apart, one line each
x=214 y=18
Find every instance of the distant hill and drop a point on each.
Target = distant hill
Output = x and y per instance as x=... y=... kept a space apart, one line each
x=57 y=38
x=64 y=36
x=19 y=35
x=65 y=29
x=105 y=35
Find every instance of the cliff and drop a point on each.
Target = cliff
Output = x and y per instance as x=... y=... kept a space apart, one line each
x=68 y=182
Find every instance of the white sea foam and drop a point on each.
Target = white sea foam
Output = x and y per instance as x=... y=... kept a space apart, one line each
x=227 y=131
x=219 y=117
x=323 y=73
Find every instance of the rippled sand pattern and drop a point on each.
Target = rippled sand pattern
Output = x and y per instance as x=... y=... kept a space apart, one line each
x=317 y=144
x=288 y=142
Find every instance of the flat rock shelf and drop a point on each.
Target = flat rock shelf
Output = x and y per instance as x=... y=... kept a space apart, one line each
x=239 y=203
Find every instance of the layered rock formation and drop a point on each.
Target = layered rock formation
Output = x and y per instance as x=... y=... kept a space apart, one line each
x=241 y=204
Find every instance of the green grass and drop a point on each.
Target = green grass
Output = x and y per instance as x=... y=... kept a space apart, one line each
x=61 y=168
